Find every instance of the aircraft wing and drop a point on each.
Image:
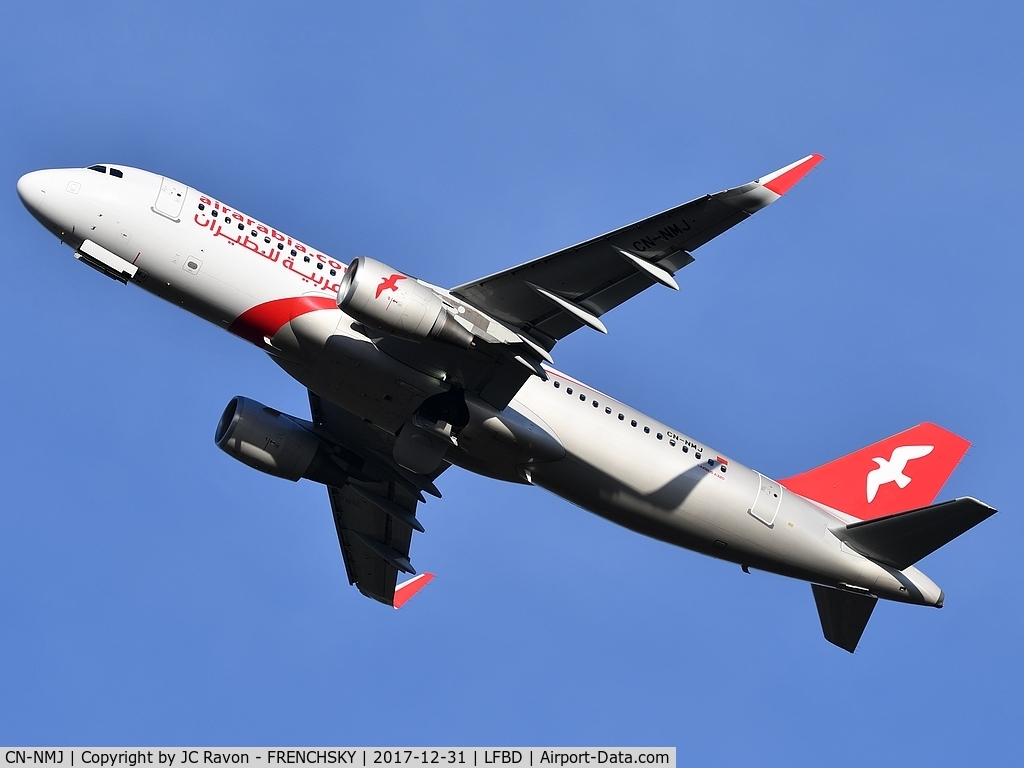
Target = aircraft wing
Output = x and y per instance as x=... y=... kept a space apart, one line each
x=551 y=297
x=374 y=545
x=374 y=510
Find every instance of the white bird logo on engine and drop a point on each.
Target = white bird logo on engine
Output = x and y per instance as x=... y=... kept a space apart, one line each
x=891 y=471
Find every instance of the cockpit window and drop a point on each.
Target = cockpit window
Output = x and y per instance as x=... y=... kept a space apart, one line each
x=117 y=173
x=99 y=168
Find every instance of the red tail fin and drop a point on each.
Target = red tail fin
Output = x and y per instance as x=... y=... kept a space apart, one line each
x=902 y=472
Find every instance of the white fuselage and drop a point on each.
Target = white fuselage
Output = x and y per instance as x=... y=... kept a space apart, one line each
x=560 y=434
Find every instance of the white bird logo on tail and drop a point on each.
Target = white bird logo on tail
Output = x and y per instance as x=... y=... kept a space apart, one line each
x=891 y=471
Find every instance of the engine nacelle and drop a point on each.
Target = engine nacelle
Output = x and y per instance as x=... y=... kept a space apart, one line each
x=387 y=300
x=275 y=443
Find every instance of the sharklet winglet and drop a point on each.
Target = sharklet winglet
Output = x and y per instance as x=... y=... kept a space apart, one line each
x=783 y=180
x=404 y=592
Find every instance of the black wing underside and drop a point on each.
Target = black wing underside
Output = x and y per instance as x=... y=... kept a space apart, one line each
x=375 y=510
x=599 y=274
x=373 y=544
x=525 y=310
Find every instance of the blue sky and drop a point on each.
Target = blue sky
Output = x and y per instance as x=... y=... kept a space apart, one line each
x=153 y=591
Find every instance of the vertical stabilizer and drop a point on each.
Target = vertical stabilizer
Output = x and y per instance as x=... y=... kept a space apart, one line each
x=905 y=471
x=843 y=615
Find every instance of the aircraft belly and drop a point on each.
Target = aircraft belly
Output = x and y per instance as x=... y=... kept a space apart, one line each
x=715 y=523
x=675 y=513
x=354 y=375
x=629 y=477
x=649 y=485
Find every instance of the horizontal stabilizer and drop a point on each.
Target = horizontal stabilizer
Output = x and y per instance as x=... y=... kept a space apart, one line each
x=843 y=615
x=902 y=539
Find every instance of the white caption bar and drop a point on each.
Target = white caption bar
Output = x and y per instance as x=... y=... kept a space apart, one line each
x=171 y=757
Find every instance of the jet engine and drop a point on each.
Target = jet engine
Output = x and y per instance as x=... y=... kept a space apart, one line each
x=387 y=300
x=275 y=443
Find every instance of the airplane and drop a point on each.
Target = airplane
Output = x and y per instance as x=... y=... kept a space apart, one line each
x=406 y=378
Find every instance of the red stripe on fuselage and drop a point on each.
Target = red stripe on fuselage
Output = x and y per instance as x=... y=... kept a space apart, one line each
x=264 y=320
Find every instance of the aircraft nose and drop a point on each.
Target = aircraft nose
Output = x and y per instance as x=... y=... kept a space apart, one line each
x=32 y=189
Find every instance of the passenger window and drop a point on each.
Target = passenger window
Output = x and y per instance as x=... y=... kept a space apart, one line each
x=115 y=172
x=621 y=417
x=202 y=207
x=557 y=385
x=319 y=265
x=293 y=252
x=607 y=410
x=280 y=246
x=583 y=397
x=647 y=430
x=633 y=423
x=686 y=449
x=333 y=273
x=568 y=390
x=241 y=227
x=659 y=435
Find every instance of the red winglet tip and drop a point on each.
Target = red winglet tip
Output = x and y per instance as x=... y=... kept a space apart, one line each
x=404 y=592
x=784 y=179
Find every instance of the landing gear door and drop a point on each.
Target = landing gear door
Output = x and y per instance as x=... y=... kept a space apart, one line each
x=769 y=498
x=170 y=199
